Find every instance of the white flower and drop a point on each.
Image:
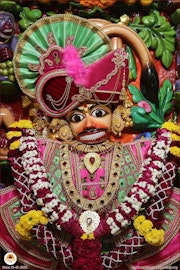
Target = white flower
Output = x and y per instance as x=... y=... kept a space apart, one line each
x=147 y=161
x=109 y=220
x=119 y=217
x=124 y=223
x=151 y=188
x=155 y=174
x=40 y=174
x=51 y=195
x=167 y=135
x=134 y=202
x=40 y=184
x=143 y=196
x=160 y=144
x=158 y=163
x=54 y=217
x=51 y=204
x=112 y=225
x=125 y=208
x=32 y=153
x=114 y=228
x=58 y=227
x=62 y=207
x=40 y=201
x=67 y=216
x=142 y=184
x=30 y=145
x=159 y=152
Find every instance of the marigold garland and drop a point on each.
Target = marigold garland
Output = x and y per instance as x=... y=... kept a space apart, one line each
x=21 y=124
x=145 y=228
x=28 y=221
x=175 y=137
x=155 y=237
x=12 y=134
x=171 y=127
x=14 y=145
x=175 y=131
x=175 y=151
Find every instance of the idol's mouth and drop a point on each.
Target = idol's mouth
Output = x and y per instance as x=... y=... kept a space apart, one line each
x=91 y=136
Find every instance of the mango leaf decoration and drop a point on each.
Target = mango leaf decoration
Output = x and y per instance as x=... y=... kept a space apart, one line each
x=158 y=34
x=145 y=114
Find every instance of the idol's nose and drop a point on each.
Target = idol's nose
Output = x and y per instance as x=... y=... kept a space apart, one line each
x=89 y=123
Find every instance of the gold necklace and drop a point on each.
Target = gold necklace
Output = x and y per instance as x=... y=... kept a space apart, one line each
x=76 y=201
x=88 y=148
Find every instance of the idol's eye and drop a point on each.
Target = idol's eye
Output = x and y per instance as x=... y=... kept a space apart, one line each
x=10 y=21
x=98 y=112
x=76 y=117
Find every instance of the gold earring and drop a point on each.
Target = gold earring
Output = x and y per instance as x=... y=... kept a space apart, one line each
x=117 y=122
x=60 y=130
x=121 y=119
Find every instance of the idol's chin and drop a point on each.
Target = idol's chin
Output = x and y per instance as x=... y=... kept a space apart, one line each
x=93 y=137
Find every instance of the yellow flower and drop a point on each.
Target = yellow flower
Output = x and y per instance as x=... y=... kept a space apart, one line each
x=138 y=221
x=175 y=137
x=22 y=124
x=24 y=234
x=14 y=145
x=11 y=134
x=155 y=237
x=88 y=236
x=175 y=150
x=171 y=127
x=43 y=220
x=28 y=221
x=145 y=227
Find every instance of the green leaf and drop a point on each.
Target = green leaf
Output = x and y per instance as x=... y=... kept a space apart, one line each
x=142 y=120
x=158 y=34
x=148 y=20
x=159 y=50
x=167 y=58
x=154 y=42
x=165 y=98
x=136 y=93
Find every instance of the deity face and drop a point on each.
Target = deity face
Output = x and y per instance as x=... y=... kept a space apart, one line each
x=91 y=123
x=6 y=25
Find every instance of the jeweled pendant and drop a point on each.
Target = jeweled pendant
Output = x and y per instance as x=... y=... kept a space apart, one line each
x=92 y=162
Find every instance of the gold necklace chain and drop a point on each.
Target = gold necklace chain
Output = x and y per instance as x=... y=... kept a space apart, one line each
x=88 y=148
x=75 y=199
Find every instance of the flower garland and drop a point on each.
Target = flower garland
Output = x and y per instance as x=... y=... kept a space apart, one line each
x=57 y=213
x=28 y=221
x=175 y=132
x=145 y=228
x=145 y=187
